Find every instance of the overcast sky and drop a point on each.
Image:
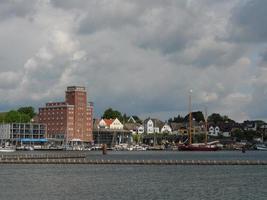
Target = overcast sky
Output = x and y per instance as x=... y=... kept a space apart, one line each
x=140 y=57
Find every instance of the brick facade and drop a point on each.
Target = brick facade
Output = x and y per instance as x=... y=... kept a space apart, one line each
x=72 y=119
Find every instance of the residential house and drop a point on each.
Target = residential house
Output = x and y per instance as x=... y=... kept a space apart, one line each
x=116 y=124
x=141 y=130
x=131 y=120
x=152 y=125
x=166 y=128
x=250 y=125
x=176 y=127
x=110 y=124
x=133 y=127
x=214 y=131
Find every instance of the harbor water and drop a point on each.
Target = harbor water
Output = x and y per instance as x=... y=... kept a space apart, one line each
x=34 y=181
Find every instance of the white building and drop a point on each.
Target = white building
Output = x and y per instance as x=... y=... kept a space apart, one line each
x=166 y=128
x=152 y=126
x=110 y=124
x=116 y=124
x=214 y=131
x=149 y=126
x=141 y=129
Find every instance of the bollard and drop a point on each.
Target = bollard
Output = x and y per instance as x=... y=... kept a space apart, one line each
x=104 y=149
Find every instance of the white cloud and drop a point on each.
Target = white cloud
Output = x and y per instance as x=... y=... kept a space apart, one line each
x=140 y=57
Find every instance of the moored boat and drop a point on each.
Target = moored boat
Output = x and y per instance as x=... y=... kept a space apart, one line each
x=7 y=149
x=198 y=147
x=261 y=147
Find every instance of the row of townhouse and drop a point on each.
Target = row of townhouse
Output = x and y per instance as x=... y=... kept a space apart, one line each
x=149 y=126
x=152 y=125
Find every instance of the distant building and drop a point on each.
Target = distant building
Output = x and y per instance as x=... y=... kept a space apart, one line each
x=133 y=127
x=141 y=129
x=110 y=124
x=214 y=131
x=23 y=132
x=149 y=126
x=72 y=119
x=166 y=128
x=176 y=128
x=116 y=124
x=152 y=126
x=131 y=120
x=104 y=123
x=250 y=125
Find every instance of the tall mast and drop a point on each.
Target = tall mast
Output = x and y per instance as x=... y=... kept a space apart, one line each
x=190 y=118
x=206 y=125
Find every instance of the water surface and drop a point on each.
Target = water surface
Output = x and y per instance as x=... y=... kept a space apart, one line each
x=28 y=182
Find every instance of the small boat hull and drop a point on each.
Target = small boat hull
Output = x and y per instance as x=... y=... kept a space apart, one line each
x=261 y=147
x=202 y=147
x=7 y=150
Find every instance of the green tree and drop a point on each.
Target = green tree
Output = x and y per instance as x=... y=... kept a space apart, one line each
x=198 y=116
x=178 y=119
x=238 y=134
x=2 y=117
x=136 y=138
x=15 y=116
x=226 y=119
x=28 y=111
x=215 y=118
x=125 y=118
x=112 y=114
x=12 y=116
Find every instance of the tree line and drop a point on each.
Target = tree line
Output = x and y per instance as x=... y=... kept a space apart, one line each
x=214 y=118
x=21 y=115
x=197 y=116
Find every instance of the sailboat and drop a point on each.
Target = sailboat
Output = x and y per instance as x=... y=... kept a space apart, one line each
x=211 y=146
x=199 y=147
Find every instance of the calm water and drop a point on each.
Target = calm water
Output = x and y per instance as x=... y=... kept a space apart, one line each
x=138 y=182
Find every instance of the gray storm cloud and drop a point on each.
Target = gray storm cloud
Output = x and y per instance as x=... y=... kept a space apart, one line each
x=140 y=57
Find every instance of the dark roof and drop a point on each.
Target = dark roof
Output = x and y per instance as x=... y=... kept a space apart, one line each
x=131 y=126
x=156 y=122
x=176 y=126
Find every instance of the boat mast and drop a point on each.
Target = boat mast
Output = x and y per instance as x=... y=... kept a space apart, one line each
x=206 y=125
x=190 y=118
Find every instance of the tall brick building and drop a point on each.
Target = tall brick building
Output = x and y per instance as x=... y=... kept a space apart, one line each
x=71 y=120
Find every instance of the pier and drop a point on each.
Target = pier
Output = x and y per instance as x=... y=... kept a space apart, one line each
x=81 y=159
x=40 y=156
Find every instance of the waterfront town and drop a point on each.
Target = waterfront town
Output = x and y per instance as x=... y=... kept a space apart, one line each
x=70 y=125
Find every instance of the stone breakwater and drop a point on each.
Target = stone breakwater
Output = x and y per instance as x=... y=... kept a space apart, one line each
x=40 y=156
x=81 y=159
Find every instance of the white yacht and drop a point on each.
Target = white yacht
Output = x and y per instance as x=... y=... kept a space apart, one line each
x=261 y=147
x=7 y=149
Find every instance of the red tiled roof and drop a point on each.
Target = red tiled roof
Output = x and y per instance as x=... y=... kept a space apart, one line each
x=108 y=121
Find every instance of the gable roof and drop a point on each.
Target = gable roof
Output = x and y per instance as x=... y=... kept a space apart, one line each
x=157 y=123
x=108 y=121
x=131 y=120
x=131 y=126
